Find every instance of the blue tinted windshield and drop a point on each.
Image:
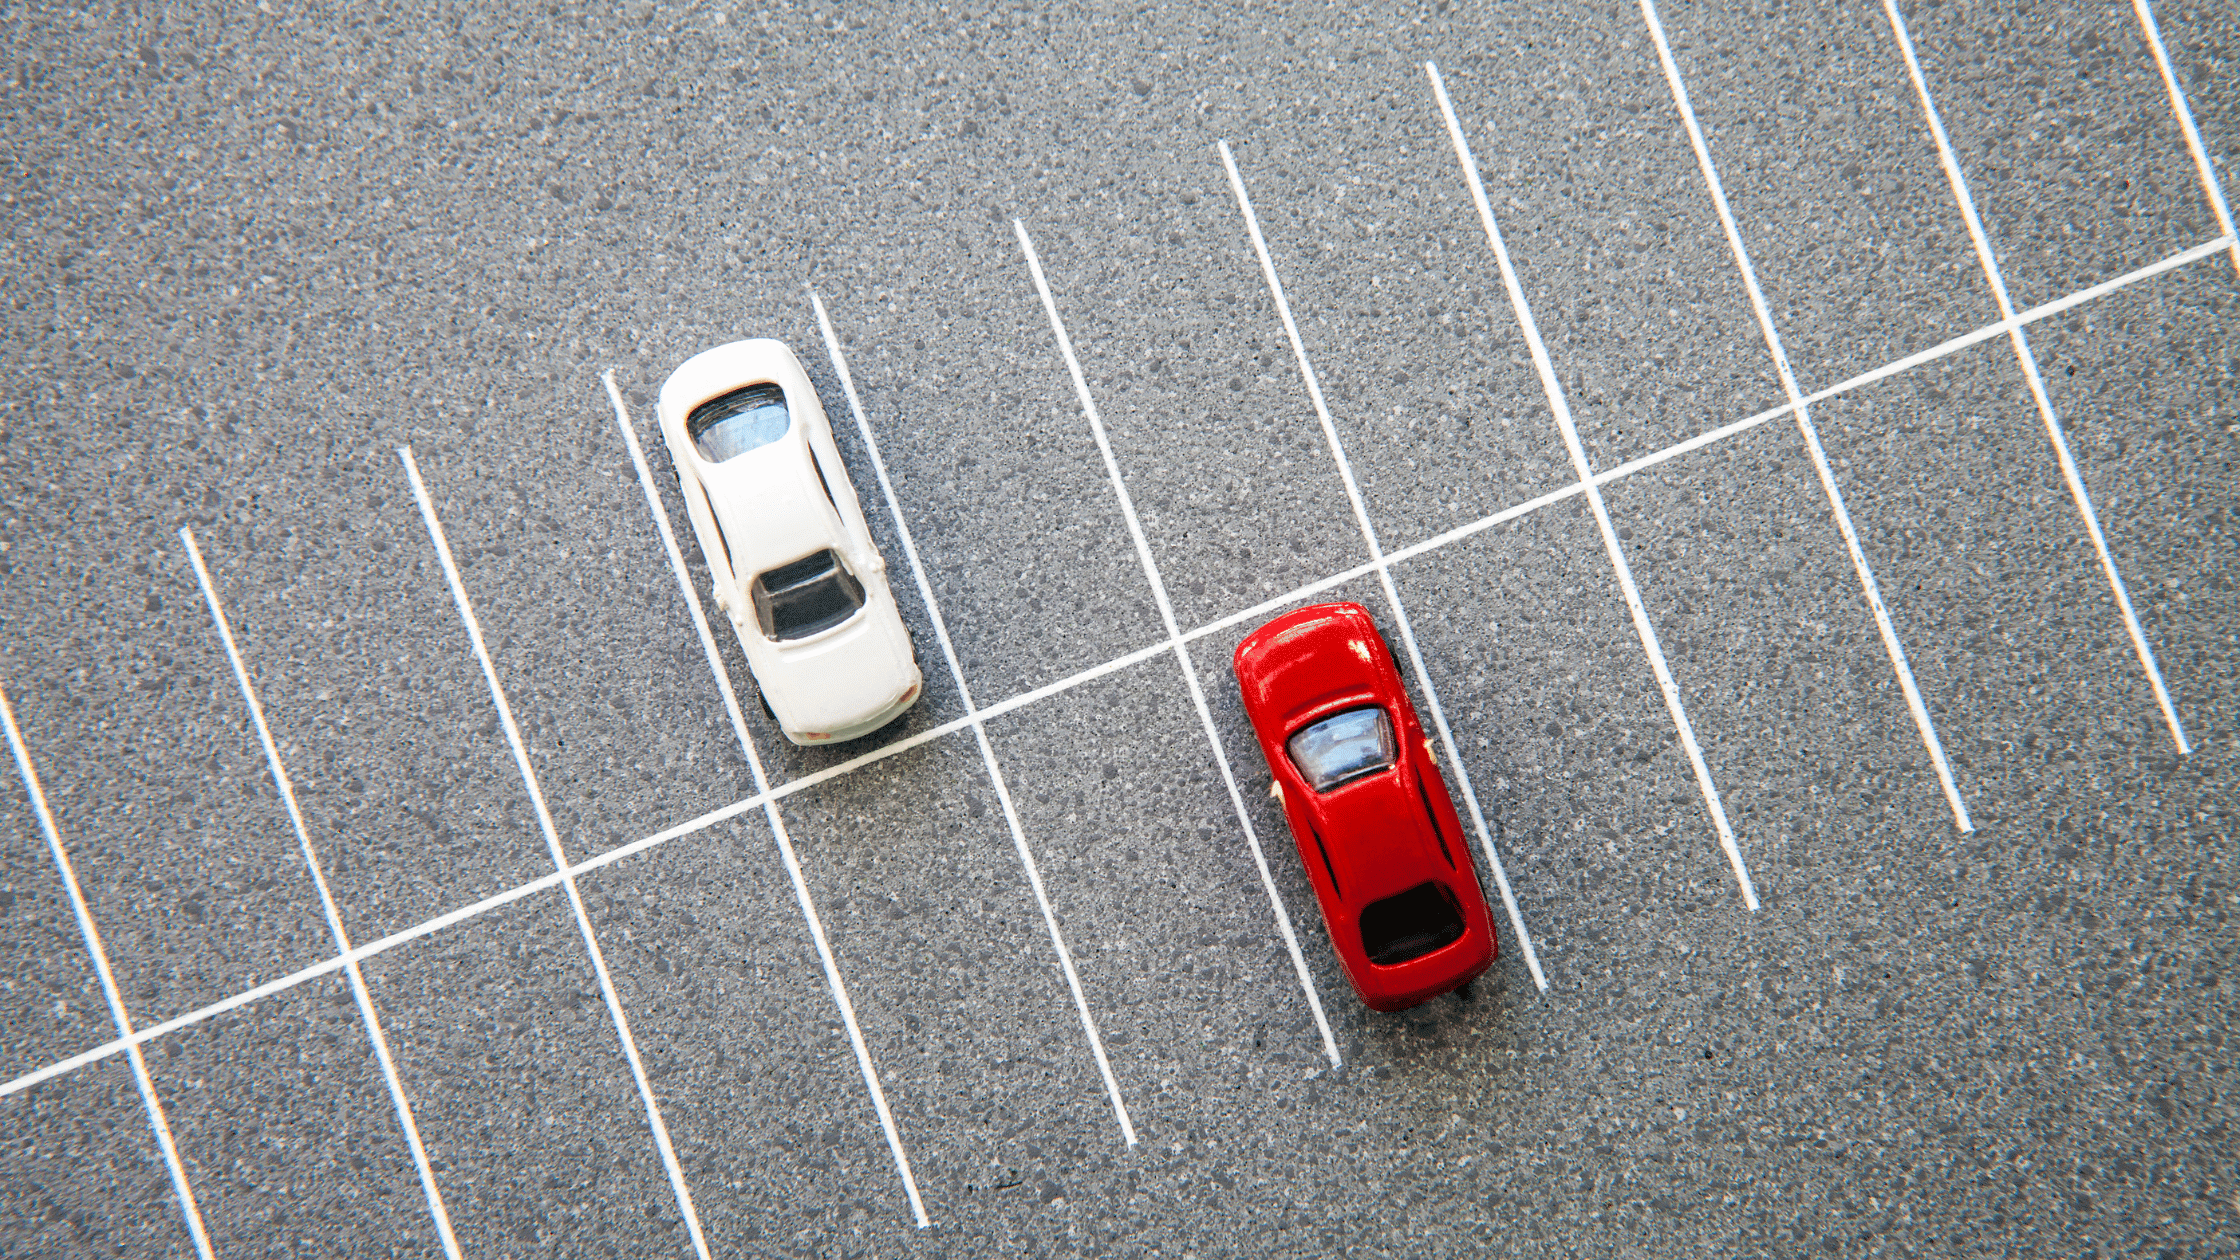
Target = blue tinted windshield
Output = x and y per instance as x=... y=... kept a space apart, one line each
x=1345 y=746
x=730 y=426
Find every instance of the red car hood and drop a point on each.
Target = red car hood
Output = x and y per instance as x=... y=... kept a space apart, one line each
x=1288 y=675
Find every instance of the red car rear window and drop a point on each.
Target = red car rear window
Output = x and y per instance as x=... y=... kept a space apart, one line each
x=1410 y=925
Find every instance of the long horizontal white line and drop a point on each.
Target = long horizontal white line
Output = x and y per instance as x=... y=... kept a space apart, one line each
x=1094 y=672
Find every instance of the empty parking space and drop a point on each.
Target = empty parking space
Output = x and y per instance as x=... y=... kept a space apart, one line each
x=1796 y=703
x=1205 y=1015
x=2085 y=134
x=53 y=999
x=1186 y=359
x=2147 y=411
x=179 y=840
x=599 y=665
x=728 y=999
x=346 y=1176
x=84 y=1173
x=1372 y=238
x=2031 y=665
x=1863 y=256
x=1615 y=239
x=521 y=1093
x=964 y=1006
x=354 y=649
x=1570 y=742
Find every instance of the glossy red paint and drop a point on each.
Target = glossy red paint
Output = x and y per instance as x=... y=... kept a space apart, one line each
x=1375 y=837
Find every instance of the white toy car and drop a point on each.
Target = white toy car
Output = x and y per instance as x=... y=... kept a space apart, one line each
x=782 y=531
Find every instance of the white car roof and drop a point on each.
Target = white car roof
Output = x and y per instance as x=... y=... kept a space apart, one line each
x=771 y=505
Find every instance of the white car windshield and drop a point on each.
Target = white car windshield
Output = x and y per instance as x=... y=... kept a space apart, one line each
x=813 y=594
x=1342 y=747
x=730 y=426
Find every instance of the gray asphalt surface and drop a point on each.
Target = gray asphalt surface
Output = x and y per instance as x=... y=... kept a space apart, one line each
x=253 y=251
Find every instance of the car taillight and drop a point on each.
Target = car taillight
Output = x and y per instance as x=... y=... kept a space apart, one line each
x=814 y=735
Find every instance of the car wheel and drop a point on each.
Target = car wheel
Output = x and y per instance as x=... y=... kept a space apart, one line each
x=1463 y=994
x=764 y=701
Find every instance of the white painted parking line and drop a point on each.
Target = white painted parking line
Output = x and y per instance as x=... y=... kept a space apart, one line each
x=1805 y=428
x=1175 y=640
x=972 y=715
x=559 y=854
x=1562 y=410
x=2210 y=184
x=1377 y=559
x=1428 y=546
x=397 y=1095
x=801 y=895
x=2054 y=431
x=157 y=1121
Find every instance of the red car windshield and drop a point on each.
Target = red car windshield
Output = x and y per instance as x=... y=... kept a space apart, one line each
x=1342 y=747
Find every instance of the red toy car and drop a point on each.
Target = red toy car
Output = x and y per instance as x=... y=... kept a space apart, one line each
x=1375 y=827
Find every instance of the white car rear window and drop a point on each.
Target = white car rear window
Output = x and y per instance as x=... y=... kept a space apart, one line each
x=730 y=426
x=811 y=595
x=1343 y=746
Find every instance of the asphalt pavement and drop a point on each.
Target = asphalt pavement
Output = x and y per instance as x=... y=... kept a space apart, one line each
x=1858 y=751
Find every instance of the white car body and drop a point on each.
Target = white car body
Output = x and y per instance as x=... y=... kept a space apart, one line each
x=774 y=509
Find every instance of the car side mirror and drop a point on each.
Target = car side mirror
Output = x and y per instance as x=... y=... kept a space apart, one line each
x=725 y=601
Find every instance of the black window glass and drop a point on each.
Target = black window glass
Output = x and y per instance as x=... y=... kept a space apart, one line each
x=738 y=422
x=813 y=594
x=1413 y=924
x=1343 y=746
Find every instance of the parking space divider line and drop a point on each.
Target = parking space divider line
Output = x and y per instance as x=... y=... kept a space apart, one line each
x=771 y=813
x=394 y=940
x=977 y=723
x=559 y=854
x=971 y=709
x=158 y=1122
x=1423 y=547
x=1178 y=643
x=1562 y=411
x=2210 y=184
x=1384 y=569
x=2055 y=433
x=1801 y=413
x=398 y=1096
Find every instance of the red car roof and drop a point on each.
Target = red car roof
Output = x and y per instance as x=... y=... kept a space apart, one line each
x=1376 y=836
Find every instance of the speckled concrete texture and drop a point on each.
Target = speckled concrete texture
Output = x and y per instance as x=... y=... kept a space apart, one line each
x=252 y=250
